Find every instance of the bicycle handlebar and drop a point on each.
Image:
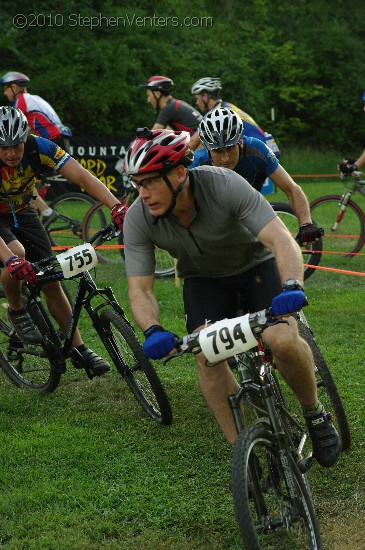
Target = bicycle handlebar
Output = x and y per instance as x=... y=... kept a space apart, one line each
x=48 y=269
x=355 y=173
x=225 y=338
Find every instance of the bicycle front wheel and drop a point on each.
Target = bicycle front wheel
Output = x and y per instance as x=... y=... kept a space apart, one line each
x=28 y=366
x=344 y=230
x=66 y=228
x=271 y=497
x=327 y=390
x=138 y=372
x=165 y=266
x=311 y=254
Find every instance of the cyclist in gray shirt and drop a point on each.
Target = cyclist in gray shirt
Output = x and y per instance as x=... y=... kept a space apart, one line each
x=228 y=243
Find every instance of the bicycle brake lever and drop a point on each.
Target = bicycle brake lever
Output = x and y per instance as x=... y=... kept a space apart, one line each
x=276 y=322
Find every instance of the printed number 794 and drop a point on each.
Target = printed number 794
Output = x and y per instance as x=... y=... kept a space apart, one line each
x=223 y=335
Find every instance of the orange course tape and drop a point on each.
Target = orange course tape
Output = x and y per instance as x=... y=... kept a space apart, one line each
x=345 y=271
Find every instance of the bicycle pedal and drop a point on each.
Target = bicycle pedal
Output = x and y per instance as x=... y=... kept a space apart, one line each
x=305 y=464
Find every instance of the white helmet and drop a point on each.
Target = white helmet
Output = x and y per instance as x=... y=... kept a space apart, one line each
x=220 y=128
x=14 y=127
x=208 y=84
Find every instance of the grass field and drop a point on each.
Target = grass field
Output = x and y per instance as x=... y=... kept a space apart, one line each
x=85 y=469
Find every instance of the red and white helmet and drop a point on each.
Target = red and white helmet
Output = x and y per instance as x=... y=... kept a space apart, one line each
x=157 y=151
x=159 y=84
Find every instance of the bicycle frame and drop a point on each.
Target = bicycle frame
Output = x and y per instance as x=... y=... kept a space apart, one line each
x=254 y=370
x=86 y=292
x=357 y=186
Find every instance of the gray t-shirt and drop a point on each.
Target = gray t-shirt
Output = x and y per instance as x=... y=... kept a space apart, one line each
x=221 y=239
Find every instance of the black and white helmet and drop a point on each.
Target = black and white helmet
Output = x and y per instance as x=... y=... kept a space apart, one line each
x=220 y=128
x=14 y=127
x=208 y=84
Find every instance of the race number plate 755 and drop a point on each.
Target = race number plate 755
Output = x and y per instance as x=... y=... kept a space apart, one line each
x=77 y=259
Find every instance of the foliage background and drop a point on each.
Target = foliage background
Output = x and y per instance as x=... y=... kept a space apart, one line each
x=303 y=58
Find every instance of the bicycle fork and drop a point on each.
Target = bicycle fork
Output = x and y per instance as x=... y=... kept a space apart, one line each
x=343 y=205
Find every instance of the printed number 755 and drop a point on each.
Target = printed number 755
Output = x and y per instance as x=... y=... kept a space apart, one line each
x=80 y=258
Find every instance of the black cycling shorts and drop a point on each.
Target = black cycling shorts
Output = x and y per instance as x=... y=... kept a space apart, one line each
x=30 y=233
x=209 y=300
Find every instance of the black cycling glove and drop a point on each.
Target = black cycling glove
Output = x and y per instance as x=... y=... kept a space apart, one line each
x=348 y=166
x=308 y=233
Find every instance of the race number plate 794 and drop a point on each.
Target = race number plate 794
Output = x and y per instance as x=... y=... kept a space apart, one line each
x=226 y=338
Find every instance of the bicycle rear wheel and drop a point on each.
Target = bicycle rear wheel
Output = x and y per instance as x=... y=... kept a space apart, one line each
x=312 y=253
x=66 y=229
x=97 y=217
x=271 y=497
x=127 y=355
x=348 y=236
x=28 y=366
x=327 y=389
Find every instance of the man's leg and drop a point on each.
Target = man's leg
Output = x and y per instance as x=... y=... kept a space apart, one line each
x=294 y=359
x=216 y=384
x=60 y=309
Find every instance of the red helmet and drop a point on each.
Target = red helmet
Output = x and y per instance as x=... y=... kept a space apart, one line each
x=157 y=151
x=159 y=83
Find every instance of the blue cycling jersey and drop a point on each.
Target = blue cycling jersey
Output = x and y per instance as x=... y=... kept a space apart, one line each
x=256 y=163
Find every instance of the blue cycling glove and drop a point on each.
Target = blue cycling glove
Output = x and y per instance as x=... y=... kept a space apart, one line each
x=159 y=342
x=287 y=302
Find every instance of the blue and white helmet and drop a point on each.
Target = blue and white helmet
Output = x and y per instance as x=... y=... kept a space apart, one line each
x=220 y=128
x=14 y=77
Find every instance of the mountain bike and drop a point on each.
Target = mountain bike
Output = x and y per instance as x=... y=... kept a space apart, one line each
x=97 y=217
x=342 y=219
x=39 y=367
x=270 y=459
x=311 y=253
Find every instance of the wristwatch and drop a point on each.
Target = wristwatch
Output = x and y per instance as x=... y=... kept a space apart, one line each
x=292 y=284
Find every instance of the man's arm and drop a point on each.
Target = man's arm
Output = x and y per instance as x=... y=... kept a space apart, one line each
x=38 y=202
x=297 y=199
x=144 y=305
x=276 y=237
x=361 y=160
x=5 y=252
x=73 y=171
